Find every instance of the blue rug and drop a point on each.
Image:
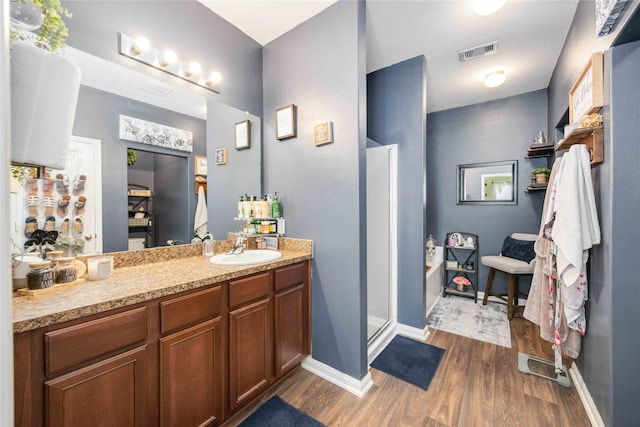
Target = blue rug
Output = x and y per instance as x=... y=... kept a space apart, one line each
x=276 y=412
x=412 y=361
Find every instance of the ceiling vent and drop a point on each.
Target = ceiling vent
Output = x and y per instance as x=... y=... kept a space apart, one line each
x=156 y=88
x=476 y=52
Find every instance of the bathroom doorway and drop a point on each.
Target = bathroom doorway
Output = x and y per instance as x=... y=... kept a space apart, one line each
x=381 y=243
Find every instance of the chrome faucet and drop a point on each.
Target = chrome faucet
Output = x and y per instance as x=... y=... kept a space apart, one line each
x=239 y=246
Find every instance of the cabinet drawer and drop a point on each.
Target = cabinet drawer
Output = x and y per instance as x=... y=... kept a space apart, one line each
x=68 y=347
x=249 y=289
x=289 y=276
x=190 y=309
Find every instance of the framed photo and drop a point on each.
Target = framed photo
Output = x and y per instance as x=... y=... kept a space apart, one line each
x=587 y=93
x=243 y=134
x=452 y=264
x=221 y=156
x=286 y=122
x=201 y=165
x=323 y=133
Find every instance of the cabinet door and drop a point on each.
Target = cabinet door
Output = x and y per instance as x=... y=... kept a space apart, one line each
x=250 y=351
x=108 y=393
x=290 y=331
x=191 y=376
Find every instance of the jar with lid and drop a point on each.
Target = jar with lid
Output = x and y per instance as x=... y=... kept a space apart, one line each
x=64 y=271
x=431 y=246
x=40 y=276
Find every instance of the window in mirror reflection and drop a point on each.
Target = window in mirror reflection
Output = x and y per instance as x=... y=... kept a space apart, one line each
x=488 y=183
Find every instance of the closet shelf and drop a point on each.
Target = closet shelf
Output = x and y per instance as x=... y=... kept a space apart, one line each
x=593 y=138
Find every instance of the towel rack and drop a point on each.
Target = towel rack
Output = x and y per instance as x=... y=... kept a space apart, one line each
x=592 y=137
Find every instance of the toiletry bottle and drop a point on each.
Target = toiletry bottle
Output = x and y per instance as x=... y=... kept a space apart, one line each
x=241 y=207
x=257 y=209
x=207 y=245
x=246 y=207
x=275 y=207
x=266 y=211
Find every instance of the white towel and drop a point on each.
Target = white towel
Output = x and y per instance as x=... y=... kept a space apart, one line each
x=576 y=228
x=44 y=94
x=200 y=225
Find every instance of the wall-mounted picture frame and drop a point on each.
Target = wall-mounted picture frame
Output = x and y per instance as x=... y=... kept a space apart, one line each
x=221 y=156
x=323 y=133
x=607 y=14
x=201 y=165
x=587 y=93
x=286 y=122
x=243 y=134
x=146 y=132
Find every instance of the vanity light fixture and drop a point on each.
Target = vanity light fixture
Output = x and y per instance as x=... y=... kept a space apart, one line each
x=495 y=78
x=140 y=49
x=487 y=7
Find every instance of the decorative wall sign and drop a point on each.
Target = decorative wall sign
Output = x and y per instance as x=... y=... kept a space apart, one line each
x=221 y=156
x=607 y=14
x=587 y=93
x=132 y=129
x=201 y=165
x=243 y=134
x=323 y=133
x=286 y=122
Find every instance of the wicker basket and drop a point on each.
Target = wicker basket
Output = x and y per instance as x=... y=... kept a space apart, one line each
x=138 y=222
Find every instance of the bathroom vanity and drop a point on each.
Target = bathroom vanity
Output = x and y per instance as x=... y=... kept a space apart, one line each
x=177 y=341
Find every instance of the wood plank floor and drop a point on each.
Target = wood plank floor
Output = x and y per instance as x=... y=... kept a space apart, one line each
x=477 y=384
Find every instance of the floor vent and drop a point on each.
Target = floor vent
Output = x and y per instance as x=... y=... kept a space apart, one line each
x=476 y=52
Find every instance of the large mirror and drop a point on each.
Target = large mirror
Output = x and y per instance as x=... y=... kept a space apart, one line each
x=488 y=183
x=109 y=89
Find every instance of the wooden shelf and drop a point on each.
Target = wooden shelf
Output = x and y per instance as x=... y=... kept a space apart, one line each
x=593 y=138
x=541 y=152
x=532 y=188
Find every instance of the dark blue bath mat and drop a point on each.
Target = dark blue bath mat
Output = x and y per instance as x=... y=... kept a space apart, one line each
x=412 y=361
x=275 y=412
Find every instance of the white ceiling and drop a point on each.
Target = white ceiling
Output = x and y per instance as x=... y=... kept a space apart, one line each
x=531 y=34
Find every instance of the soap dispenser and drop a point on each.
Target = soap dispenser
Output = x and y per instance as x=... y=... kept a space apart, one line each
x=207 y=245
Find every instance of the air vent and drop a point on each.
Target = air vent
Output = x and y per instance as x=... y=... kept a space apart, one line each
x=476 y=52
x=156 y=88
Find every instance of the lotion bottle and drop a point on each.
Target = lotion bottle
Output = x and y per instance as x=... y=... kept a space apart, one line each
x=241 y=207
x=275 y=206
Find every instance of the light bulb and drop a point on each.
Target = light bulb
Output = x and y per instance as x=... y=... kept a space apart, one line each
x=214 y=78
x=487 y=7
x=168 y=58
x=194 y=68
x=140 y=45
x=495 y=79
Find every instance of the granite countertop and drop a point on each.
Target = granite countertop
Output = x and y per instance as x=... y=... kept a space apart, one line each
x=132 y=285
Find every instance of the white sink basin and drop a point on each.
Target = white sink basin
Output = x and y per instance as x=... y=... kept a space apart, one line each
x=247 y=257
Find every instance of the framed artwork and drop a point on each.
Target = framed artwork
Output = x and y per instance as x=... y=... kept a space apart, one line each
x=145 y=132
x=201 y=165
x=286 y=122
x=607 y=14
x=221 y=156
x=243 y=135
x=323 y=133
x=587 y=93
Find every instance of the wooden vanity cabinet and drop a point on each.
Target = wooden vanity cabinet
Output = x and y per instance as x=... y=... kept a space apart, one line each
x=191 y=367
x=187 y=360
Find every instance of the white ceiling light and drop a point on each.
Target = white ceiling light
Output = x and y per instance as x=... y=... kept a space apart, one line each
x=487 y=7
x=495 y=78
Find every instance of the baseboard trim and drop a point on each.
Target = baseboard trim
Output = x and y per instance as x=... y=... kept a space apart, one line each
x=414 y=333
x=585 y=397
x=342 y=380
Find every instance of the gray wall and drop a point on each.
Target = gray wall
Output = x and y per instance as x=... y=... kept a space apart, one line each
x=242 y=173
x=396 y=114
x=486 y=132
x=624 y=151
x=189 y=28
x=606 y=362
x=97 y=117
x=320 y=67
